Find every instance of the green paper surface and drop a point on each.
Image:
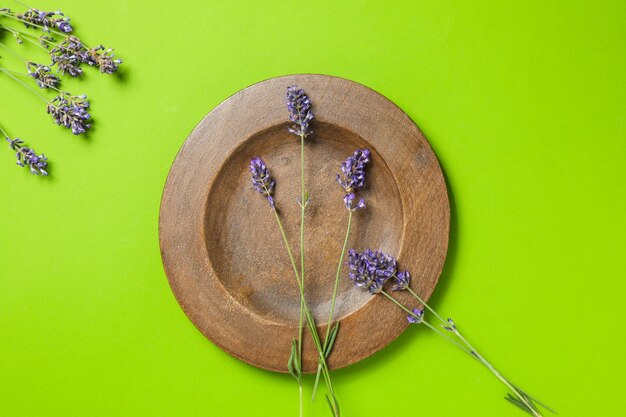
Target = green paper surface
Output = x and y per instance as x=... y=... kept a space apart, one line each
x=523 y=102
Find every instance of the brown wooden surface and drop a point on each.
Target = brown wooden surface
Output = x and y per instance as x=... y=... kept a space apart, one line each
x=222 y=250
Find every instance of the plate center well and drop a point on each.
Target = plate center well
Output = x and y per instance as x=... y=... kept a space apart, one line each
x=243 y=240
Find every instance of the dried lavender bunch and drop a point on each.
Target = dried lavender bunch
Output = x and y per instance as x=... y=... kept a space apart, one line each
x=27 y=157
x=372 y=269
x=67 y=55
x=262 y=180
x=71 y=112
x=42 y=75
x=47 y=20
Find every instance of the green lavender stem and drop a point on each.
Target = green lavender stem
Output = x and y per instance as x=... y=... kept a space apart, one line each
x=309 y=317
x=28 y=37
x=295 y=270
x=302 y=207
x=430 y=326
x=8 y=74
x=12 y=16
x=334 y=296
x=469 y=348
x=26 y=75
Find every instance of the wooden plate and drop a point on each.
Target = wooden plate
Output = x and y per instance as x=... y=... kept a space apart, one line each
x=222 y=250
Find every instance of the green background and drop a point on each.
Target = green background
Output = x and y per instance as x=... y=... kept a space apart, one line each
x=523 y=102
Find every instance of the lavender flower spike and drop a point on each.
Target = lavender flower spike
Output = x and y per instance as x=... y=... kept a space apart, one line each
x=42 y=75
x=300 y=113
x=68 y=55
x=262 y=180
x=417 y=317
x=371 y=269
x=353 y=170
x=27 y=156
x=102 y=58
x=71 y=112
x=46 y=19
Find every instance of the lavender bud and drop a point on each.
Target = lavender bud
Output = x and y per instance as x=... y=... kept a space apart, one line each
x=64 y=25
x=262 y=180
x=417 y=317
x=451 y=327
x=402 y=281
x=300 y=113
x=348 y=199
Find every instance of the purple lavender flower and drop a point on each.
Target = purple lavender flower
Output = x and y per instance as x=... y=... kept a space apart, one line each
x=300 y=113
x=262 y=180
x=371 y=269
x=348 y=199
x=417 y=317
x=26 y=156
x=68 y=55
x=353 y=170
x=64 y=25
x=71 y=112
x=102 y=58
x=402 y=280
x=46 y=19
x=42 y=75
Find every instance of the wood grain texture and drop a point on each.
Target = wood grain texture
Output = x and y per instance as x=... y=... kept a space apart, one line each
x=222 y=250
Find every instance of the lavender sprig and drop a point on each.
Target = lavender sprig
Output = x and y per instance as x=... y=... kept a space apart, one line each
x=300 y=114
x=353 y=178
x=353 y=170
x=27 y=157
x=42 y=75
x=47 y=20
x=68 y=55
x=103 y=58
x=372 y=269
x=262 y=180
x=71 y=112
x=72 y=52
